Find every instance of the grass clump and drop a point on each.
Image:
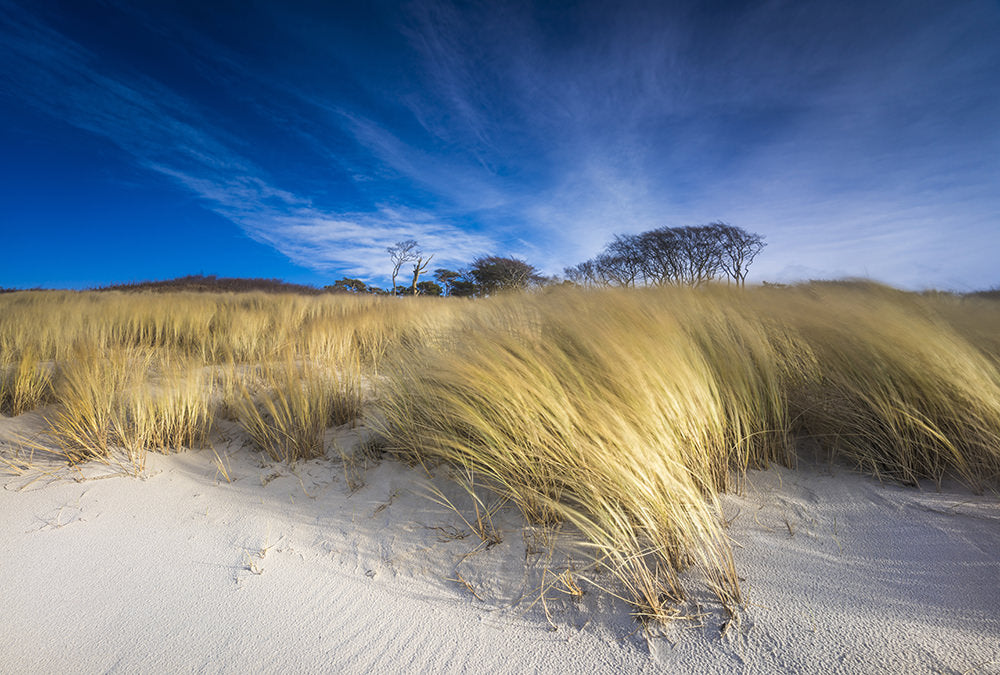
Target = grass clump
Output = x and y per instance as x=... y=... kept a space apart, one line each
x=90 y=417
x=894 y=388
x=25 y=382
x=129 y=399
x=173 y=409
x=627 y=413
x=608 y=419
x=286 y=408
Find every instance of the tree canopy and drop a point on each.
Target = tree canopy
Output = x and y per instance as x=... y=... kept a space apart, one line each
x=494 y=274
x=689 y=256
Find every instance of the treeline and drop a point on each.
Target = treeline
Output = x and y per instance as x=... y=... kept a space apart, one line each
x=485 y=276
x=665 y=256
x=682 y=256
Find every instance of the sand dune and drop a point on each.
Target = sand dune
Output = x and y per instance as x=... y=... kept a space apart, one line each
x=289 y=569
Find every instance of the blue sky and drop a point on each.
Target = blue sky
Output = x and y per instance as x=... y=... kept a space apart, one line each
x=146 y=140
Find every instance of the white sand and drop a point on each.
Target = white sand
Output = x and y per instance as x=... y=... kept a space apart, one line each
x=289 y=570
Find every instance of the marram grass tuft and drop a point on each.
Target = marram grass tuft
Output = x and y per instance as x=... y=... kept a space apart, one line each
x=626 y=413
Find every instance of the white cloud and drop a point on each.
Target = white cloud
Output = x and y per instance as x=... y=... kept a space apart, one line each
x=854 y=149
x=166 y=134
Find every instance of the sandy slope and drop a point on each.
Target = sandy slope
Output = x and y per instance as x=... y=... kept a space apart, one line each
x=289 y=569
x=847 y=575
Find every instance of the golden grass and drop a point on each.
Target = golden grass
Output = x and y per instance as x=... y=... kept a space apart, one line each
x=286 y=407
x=173 y=410
x=623 y=413
x=25 y=382
x=92 y=392
x=893 y=387
x=214 y=327
x=607 y=419
x=140 y=372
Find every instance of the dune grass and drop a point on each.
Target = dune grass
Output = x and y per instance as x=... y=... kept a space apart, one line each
x=597 y=410
x=25 y=382
x=622 y=413
x=894 y=388
x=286 y=407
x=626 y=413
x=152 y=371
x=173 y=409
x=93 y=388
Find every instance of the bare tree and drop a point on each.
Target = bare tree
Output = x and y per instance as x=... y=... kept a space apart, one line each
x=627 y=261
x=583 y=274
x=621 y=263
x=689 y=256
x=400 y=253
x=418 y=269
x=610 y=271
x=738 y=250
x=661 y=256
x=701 y=259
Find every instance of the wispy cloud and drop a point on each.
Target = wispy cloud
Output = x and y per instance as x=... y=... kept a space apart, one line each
x=169 y=135
x=860 y=138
